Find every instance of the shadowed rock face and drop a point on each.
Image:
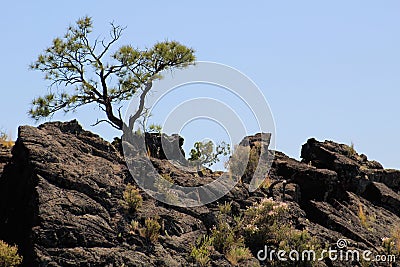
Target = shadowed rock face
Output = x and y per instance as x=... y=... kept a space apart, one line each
x=61 y=187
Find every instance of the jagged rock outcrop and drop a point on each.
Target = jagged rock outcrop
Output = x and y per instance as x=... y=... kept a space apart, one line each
x=61 y=191
x=5 y=156
x=60 y=203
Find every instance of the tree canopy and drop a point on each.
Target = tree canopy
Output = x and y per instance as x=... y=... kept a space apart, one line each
x=80 y=73
x=204 y=153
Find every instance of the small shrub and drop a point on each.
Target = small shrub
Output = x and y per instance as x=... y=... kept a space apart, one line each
x=201 y=252
x=151 y=231
x=365 y=220
x=132 y=200
x=264 y=223
x=392 y=244
x=266 y=183
x=237 y=254
x=362 y=216
x=134 y=227
x=155 y=128
x=163 y=185
x=225 y=237
x=350 y=150
x=9 y=255
x=248 y=163
x=238 y=162
x=225 y=208
x=299 y=241
x=396 y=237
x=5 y=140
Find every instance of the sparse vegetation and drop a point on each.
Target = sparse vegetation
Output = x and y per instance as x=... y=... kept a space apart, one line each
x=350 y=151
x=156 y=128
x=225 y=236
x=201 y=252
x=134 y=227
x=237 y=254
x=266 y=183
x=132 y=200
x=362 y=216
x=396 y=237
x=391 y=244
x=9 y=255
x=246 y=163
x=265 y=224
x=163 y=185
x=164 y=182
x=225 y=208
x=5 y=140
x=151 y=231
x=365 y=220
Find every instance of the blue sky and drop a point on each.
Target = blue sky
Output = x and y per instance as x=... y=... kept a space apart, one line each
x=329 y=70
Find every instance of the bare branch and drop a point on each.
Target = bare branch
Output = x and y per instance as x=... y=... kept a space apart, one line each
x=139 y=111
x=109 y=122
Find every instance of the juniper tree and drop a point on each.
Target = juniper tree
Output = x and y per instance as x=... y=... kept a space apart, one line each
x=204 y=153
x=83 y=71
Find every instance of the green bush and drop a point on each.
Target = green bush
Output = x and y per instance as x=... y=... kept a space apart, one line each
x=392 y=244
x=225 y=208
x=225 y=237
x=265 y=224
x=237 y=254
x=201 y=252
x=9 y=255
x=132 y=200
x=151 y=231
x=134 y=227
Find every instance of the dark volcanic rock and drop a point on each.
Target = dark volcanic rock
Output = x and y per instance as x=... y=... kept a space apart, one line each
x=60 y=193
x=5 y=157
x=59 y=202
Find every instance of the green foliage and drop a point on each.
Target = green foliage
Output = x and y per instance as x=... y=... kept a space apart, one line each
x=132 y=200
x=265 y=225
x=78 y=64
x=157 y=128
x=262 y=222
x=204 y=153
x=9 y=255
x=225 y=208
x=237 y=254
x=391 y=244
x=201 y=252
x=227 y=238
x=134 y=227
x=151 y=231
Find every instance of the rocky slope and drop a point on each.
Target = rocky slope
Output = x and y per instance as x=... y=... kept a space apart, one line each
x=61 y=191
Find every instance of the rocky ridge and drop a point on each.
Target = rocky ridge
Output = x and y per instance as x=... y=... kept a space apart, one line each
x=61 y=188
